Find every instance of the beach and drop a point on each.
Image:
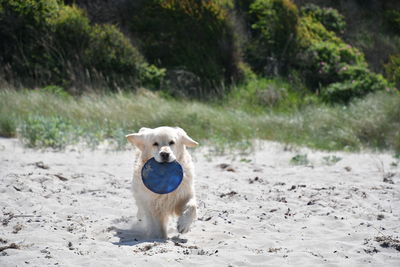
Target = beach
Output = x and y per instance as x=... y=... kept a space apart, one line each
x=277 y=205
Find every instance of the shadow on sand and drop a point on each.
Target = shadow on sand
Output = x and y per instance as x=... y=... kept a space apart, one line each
x=135 y=235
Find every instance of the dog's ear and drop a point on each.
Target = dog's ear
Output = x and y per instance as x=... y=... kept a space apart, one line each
x=187 y=141
x=136 y=139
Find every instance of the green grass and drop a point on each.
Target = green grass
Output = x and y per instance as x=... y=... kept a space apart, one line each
x=259 y=95
x=45 y=119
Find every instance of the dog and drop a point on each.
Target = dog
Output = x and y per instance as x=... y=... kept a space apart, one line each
x=164 y=144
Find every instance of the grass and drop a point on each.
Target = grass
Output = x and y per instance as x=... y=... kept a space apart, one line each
x=259 y=95
x=44 y=119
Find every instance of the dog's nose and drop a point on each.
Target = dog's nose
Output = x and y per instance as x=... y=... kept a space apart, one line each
x=164 y=156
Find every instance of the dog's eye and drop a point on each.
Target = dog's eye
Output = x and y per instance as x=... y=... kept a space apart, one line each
x=171 y=143
x=155 y=144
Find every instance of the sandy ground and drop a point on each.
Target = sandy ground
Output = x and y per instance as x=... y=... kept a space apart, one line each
x=75 y=208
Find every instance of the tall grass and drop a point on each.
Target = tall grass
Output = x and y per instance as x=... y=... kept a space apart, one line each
x=40 y=118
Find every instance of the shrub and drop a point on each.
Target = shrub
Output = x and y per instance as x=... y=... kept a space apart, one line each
x=71 y=30
x=329 y=17
x=311 y=31
x=47 y=42
x=355 y=81
x=332 y=67
x=392 y=69
x=151 y=76
x=56 y=90
x=65 y=48
x=39 y=131
x=7 y=125
x=261 y=95
x=23 y=35
x=321 y=54
x=111 y=54
x=322 y=61
x=188 y=35
x=392 y=19
x=274 y=31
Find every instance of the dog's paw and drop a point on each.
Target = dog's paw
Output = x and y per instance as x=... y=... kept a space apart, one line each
x=183 y=225
x=186 y=219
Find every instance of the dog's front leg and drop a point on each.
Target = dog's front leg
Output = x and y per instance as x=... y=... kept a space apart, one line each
x=140 y=215
x=156 y=226
x=187 y=216
x=140 y=204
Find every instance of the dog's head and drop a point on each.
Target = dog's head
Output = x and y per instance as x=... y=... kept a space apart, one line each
x=165 y=144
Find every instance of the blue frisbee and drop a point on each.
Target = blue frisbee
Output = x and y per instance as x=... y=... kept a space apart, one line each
x=162 y=178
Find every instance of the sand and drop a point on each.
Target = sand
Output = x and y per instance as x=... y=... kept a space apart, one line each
x=75 y=208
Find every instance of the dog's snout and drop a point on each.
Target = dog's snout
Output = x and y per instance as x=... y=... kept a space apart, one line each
x=164 y=156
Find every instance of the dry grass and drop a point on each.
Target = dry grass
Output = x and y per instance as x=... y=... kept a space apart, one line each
x=46 y=119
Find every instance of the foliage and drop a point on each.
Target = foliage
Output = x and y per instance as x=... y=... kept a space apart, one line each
x=392 y=18
x=356 y=81
x=57 y=90
x=274 y=31
x=371 y=122
x=311 y=31
x=112 y=54
x=197 y=45
x=317 y=54
x=321 y=62
x=8 y=125
x=39 y=131
x=22 y=30
x=71 y=29
x=188 y=35
x=329 y=17
x=330 y=66
x=47 y=42
x=392 y=69
x=261 y=95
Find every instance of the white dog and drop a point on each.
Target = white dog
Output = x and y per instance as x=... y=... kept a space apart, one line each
x=164 y=144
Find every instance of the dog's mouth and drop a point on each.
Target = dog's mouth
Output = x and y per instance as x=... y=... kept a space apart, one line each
x=165 y=157
x=165 y=161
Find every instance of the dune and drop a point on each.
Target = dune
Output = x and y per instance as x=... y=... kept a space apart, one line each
x=276 y=206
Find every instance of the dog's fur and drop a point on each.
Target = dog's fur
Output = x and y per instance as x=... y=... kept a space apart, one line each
x=165 y=144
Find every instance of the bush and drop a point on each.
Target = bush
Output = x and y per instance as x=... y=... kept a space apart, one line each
x=46 y=42
x=311 y=31
x=112 y=55
x=188 y=35
x=23 y=35
x=329 y=17
x=39 y=131
x=355 y=81
x=65 y=48
x=260 y=95
x=71 y=30
x=330 y=66
x=392 y=19
x=392 y=69
x=7 y=125
x=322 y=61
x=274 y=31
x=56 y=90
